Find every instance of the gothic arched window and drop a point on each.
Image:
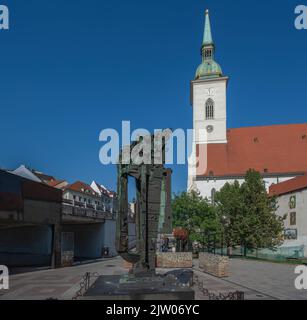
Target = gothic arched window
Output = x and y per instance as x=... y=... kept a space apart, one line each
x=209 y=109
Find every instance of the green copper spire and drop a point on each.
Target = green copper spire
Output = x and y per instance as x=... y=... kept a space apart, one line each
x=208 y=68
x=207 y=32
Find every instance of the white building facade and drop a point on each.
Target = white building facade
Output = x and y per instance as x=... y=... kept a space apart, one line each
x=291 y=199
x=108 y=198
x=82 y=195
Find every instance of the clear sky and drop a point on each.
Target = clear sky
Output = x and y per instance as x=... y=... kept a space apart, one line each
x=70 y=68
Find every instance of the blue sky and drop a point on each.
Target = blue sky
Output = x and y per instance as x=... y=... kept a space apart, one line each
x=70 y=68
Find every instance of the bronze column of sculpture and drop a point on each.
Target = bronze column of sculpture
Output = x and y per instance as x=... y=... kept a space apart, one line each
x=149 y=179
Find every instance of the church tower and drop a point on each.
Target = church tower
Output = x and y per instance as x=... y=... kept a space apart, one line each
x=208 y=94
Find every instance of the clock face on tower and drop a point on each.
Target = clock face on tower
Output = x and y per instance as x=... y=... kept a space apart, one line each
x=210 y=129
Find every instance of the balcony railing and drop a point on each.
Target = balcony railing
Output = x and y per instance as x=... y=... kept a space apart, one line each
x=79 y=209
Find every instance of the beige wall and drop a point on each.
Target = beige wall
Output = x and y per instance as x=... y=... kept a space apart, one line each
x=301 y=215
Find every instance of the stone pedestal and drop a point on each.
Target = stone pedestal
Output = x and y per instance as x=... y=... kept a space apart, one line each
x=129 y=287
x=214 y=264
x=174 y=260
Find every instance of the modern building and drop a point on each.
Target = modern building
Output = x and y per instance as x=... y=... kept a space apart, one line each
x=87 y=230
x=291 y=198
x=30 y=222
x=278 y=152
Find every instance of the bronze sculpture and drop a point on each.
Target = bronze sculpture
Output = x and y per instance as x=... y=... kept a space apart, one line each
x=153 y=208
x=153 y=216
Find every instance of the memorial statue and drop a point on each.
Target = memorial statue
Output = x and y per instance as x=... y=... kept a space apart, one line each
x=153 y=216
x=153 y=206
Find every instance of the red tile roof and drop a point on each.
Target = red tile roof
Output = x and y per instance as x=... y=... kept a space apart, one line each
x=53 y=183
x=81 y=187
x=112 y=194
x=288 y=186
x=277 y=149
x=102 y=189
x=42 y=176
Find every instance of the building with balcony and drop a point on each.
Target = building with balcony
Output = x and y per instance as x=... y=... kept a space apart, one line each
x=108 y=198
x=82 y=195
x=86 y=223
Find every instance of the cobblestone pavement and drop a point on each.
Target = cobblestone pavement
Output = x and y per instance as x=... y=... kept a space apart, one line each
x=258 y=281
x=272 y=279
x=222 y=285
x=56 y=283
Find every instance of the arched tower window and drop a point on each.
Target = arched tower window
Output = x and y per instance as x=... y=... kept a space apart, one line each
x=208 y=53
x=209 y=109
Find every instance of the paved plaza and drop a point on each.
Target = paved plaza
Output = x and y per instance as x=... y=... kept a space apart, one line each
x=258 y=281
x=60 y=283
x=273 y=279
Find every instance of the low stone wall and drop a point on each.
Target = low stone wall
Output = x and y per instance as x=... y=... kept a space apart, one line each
x=214 y=264
x=174 y=260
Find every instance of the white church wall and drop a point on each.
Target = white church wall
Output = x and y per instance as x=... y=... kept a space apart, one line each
x=205 y=186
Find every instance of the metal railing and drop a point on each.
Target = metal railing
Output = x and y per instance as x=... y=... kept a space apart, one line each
x=70 y=210
x=233 y=295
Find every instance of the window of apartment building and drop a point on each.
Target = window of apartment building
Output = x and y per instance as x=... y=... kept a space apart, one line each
x=292 y=218
x=80 y=199
x=74 y=197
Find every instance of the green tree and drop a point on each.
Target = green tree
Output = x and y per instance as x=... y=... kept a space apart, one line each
x=193 y=213
x=262 y=227
x=247 y=214
x=230 y=207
